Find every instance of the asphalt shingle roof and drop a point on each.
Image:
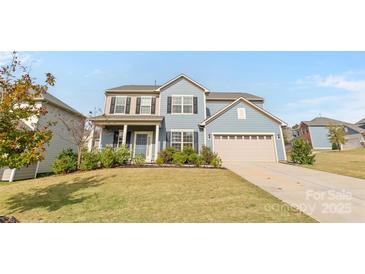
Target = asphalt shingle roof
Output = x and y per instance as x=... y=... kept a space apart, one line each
x=134 y=88
x=232 y=95
x=53 y=100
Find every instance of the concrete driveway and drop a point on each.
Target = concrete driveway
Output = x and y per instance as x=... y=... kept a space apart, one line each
x=326 y=197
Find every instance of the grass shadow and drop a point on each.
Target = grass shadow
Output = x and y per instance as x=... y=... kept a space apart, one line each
x=53 y=197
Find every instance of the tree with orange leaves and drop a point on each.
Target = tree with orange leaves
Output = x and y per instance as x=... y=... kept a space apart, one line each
x=20 y=143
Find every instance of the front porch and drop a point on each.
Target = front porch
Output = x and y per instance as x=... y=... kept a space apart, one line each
x=140 y=135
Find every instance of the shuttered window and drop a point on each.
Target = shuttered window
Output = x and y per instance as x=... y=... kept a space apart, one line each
x=182 y=139
x=146 y=105
x=183 y=104
x=120 y=104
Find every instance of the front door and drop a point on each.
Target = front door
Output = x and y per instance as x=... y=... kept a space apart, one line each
x=143 y=144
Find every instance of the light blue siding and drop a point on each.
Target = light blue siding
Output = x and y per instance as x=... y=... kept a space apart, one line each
x=173 y=121
x=255 y=122
x=319 y=137
x=215 y=106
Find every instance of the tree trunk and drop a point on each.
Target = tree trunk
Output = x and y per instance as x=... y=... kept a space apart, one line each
x=79 y=149
x=339 y=146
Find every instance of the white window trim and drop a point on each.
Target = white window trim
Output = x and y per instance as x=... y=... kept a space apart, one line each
x=243 y=117
x=115 y=106
x=140 y=107
x=182 y=137
x=182 y=105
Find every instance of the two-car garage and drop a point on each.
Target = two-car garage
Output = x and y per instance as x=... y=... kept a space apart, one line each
x=245 y=147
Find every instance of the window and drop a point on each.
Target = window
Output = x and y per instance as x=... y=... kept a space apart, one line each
x=120 y=103
x=241 y=113
x=182 y=139
x=182 y=104
x=146 y=103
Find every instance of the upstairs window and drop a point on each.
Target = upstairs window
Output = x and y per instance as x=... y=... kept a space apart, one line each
x=120 y=104
x=146 y=105
x=182 y=104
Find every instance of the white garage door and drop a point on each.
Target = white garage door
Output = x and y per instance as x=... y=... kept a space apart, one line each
x=245 y=147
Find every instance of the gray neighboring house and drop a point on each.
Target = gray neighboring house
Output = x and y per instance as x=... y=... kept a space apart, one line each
x=183 y=113
x=315 y=132
x=361 y=123
x=61 y=139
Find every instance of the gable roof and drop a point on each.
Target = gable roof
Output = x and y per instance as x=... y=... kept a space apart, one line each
x=178 y=78
x=241 y=99
x=232 y=96
x=57 y=102
x=325 y=121
x=362 y=121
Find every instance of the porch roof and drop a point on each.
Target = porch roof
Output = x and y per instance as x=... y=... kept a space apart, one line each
x=127 y=119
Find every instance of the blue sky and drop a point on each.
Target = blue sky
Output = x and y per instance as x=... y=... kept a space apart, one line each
x=296 y=85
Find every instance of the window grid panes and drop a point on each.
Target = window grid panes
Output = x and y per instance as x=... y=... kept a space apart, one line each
x=182 y=104
x=120 y=104
x=146 y=103
x=182 y=139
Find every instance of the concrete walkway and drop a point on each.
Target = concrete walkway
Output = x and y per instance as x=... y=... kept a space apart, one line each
x=324 y=196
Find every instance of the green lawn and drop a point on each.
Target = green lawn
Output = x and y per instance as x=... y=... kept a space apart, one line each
x=143 y=195
x=349 y=163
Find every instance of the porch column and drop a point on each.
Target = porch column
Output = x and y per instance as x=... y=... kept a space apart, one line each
x=157 y=141
x=124 y=140
x=90 y=144
x=101 y=138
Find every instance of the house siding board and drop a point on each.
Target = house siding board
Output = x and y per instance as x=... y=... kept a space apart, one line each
x=214 y=107
x=255 y=122
x=171 y=121
x=25 y=172
x=319 y=137
x=61 y=138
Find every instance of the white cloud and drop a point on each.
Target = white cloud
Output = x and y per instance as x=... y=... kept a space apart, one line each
x=348 y=105
x=342 y=81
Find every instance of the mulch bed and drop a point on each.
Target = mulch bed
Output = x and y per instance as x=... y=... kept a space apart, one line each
x=6 y=219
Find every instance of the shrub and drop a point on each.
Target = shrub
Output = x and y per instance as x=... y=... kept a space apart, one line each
x=207 y=155
x=335 y=147
x=107 y=157
x=90 y=160
x=167 y=155
x=302 y=153
x=179 y=158
x=190 y=155
x=66 y=162
x=159 y=161
x=139 y=160
x=216 y=161
x=122 y=154
x=198 y=161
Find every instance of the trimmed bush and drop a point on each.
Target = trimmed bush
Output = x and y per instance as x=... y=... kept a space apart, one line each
x=66 y=162
x=198 y=161
x=216 y=161
x=207 y=155
x=159 y=161
x=107 y=157
x=90 y=160
x=179 y=158
x=139 y=160
x=166 y=155
x=190 y=155
x=302 y=153
x=122 y=155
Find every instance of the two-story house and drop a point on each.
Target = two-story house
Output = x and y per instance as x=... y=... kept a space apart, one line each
x=183 y=113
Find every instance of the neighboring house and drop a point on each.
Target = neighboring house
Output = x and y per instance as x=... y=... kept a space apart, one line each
x=61 y=139
x=361 y=123
x=315 y=132
x=183 y=113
